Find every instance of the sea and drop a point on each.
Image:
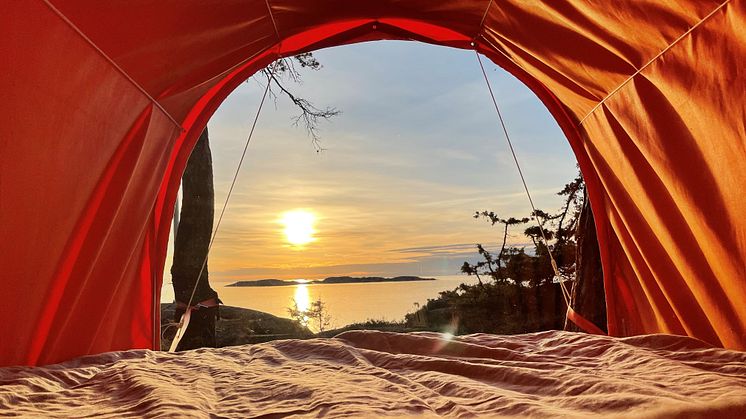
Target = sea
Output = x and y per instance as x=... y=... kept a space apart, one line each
x=346 y=303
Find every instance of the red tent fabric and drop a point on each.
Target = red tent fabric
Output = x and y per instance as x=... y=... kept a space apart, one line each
x=104 y=100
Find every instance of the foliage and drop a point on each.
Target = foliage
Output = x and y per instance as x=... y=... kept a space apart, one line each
x=516 y=290
x=513 y=264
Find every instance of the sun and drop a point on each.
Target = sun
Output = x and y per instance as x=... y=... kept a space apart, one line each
x=298 y=226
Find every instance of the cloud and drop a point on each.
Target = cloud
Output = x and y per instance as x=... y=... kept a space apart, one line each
x=437 y=249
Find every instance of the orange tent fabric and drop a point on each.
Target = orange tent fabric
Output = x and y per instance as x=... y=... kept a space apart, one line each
x=104 y=100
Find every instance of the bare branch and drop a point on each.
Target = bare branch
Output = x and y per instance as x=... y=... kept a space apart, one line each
x=310 y=116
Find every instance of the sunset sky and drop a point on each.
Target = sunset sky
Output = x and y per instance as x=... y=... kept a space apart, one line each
x=416 y=151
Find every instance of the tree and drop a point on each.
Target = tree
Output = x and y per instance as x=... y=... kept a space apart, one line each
x=519 y=278
x=191 y=243
x=496 y=273
x=316 y=314
x=190 y=272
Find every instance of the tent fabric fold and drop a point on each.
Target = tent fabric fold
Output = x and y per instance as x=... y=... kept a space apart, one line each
x=104 y=101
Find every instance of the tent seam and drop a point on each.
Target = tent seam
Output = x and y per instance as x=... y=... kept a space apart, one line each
x=112 y=63
x=652 y=60
x=484 y=18
x=274 y=25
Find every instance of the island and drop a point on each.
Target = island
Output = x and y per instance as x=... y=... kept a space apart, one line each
x=330 y=280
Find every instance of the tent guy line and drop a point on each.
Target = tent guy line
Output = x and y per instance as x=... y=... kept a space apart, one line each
x=572 y=315
x=184 y=321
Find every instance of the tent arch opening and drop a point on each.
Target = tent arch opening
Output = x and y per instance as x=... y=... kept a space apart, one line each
x=431 y=82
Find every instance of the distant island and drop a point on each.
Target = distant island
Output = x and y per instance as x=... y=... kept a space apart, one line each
x=330 y=280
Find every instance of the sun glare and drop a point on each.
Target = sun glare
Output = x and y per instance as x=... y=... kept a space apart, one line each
x=298 y=227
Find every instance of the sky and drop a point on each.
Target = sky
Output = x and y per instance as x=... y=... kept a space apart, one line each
x=416 y=151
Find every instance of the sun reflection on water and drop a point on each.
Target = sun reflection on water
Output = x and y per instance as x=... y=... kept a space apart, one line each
x=302 y=298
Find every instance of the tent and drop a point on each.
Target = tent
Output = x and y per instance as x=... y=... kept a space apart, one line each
x=103 y=101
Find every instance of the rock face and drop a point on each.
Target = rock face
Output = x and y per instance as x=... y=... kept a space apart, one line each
x=238 y=326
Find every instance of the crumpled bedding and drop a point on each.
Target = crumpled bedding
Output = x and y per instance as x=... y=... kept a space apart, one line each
x=368 y=373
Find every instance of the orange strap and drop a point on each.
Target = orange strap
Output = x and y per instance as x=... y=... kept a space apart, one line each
x=584 y=323
x=184 y=321
x=183 y=325
x=210 y=302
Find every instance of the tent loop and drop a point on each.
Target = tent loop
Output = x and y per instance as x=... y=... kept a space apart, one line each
x=184 y=321
x=576 y=318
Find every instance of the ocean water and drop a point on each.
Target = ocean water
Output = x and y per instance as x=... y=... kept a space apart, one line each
x=346 y=303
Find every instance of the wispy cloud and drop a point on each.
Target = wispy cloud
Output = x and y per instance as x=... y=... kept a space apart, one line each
x=445 y=248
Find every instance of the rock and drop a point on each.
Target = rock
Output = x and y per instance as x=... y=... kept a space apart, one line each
x=239 y=326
